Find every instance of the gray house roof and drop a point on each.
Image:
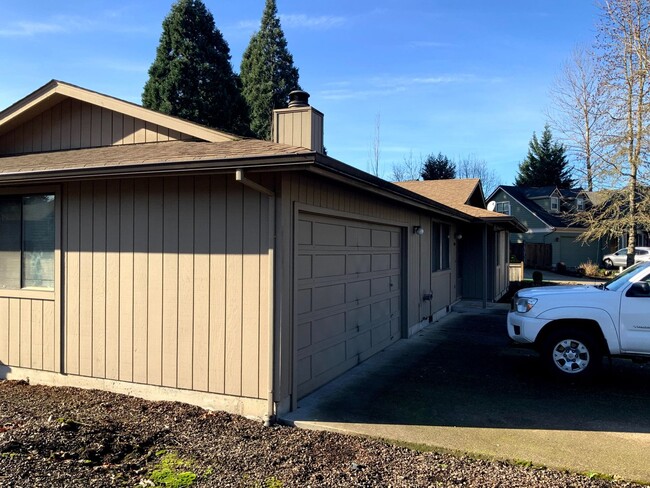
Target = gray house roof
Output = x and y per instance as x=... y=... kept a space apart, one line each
x=525 y=196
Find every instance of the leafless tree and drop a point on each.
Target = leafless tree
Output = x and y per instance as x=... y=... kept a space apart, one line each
x=472 y=167
x=623 y=55
x=409 y=169
x=375 y=148
x=579 y=113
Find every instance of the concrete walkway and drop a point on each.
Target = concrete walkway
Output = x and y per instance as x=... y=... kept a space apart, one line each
x=458 y=385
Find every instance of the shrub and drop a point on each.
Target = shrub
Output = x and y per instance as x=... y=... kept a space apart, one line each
x=589 y=269
x=538 y=277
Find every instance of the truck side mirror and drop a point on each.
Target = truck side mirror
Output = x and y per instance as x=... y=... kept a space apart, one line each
x=639 y=289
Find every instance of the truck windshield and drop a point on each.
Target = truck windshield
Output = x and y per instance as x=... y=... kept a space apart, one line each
x=621 y=280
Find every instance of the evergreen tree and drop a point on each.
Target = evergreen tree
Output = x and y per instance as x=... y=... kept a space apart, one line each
x=267 y=72
x=438 y=167
x=192 y=77
x=546 y=163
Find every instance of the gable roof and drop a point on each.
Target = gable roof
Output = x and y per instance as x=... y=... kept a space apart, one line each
x=203 y=150
x=459 y=194
x=525 y=195
x=56 y=91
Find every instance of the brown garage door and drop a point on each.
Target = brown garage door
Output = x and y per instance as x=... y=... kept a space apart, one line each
x=348 y=295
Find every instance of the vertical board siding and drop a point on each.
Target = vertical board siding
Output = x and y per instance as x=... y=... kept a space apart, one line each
x=27 y=333
x=76 y=124
x=165 y=284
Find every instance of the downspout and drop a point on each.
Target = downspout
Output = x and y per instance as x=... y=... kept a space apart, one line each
x=485 y=264
x=269 y=417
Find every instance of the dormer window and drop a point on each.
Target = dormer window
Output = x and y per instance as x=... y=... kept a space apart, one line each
x=580 y=203
x=555 y=204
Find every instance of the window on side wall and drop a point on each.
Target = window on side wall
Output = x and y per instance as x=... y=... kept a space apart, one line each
x=27 y=242
x=503 y=207
x=439 y=246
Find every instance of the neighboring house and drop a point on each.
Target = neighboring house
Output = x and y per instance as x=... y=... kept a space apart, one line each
x=483 y=253
x=552 y=238
x=148 y=255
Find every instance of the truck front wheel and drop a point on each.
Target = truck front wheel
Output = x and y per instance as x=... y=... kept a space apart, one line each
x=571 y=353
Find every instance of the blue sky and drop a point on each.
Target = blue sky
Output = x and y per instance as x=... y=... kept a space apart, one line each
x=461 y=77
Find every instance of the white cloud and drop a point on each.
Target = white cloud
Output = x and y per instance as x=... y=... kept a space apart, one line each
x=67 y=24
x=425 y=44
x=381 y=86
x=29 y=29
x=306 y=22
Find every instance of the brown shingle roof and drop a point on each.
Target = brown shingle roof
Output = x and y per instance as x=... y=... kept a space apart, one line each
x=449 y=192
x=455 y=194
x=143 y=154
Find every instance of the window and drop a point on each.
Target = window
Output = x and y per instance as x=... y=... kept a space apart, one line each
x=27 y=242
x=439 y=247
x=580 y=203
x=555 y=204
x=503 y=207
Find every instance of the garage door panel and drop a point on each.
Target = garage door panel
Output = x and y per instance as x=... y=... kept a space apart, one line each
x=380 y=311
x=304 y=335
x=328 y=296
x=381 y=262
x=328 y=327
x=304 y=301
x=380 y=334
x=358 y=237
x=304 y=232
x=359 y=344
x=304 y=267
x=328 y=234
x=357 y=318
x=381 y=285
x=357 y=291
x=358 y=263
x=304 y=370
x=328 y=265
x=395 y=261
x=353 y=308
x=381 y=238
x=326 y=359
x=394 y=327
x=395 y=239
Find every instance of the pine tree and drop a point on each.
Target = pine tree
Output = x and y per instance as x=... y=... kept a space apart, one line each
x=438 y=167
x=192 y=77
x=267 y=72
x=546 y=163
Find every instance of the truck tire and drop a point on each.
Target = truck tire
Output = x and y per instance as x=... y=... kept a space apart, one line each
x=571 y=353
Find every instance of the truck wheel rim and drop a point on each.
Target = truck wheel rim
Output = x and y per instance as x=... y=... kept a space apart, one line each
x=571 y=356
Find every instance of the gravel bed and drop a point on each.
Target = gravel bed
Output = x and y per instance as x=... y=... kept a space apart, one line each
x=67 y=437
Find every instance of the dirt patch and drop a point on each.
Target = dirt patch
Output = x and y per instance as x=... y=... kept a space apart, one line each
x=70 y=437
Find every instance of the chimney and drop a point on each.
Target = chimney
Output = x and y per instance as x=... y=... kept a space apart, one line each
x=300 y=124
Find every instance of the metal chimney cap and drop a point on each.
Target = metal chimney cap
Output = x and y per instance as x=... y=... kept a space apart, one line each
x=298 y=98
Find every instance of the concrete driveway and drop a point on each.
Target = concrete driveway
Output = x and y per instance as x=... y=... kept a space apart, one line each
x=458 y=385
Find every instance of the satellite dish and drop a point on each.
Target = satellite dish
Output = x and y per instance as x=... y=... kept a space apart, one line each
x=491 y=206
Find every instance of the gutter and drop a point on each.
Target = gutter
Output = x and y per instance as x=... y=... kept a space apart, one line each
x=240 y=176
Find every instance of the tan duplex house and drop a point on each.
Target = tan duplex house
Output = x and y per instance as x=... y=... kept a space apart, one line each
x=152 y=256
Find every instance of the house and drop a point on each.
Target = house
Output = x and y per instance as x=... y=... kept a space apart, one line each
x=483 y=253
x=552 y=238
x=148 y=255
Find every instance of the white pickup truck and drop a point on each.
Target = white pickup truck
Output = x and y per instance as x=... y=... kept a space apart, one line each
x=573 y=327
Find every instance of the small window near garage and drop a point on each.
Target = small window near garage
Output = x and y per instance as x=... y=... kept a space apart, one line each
x=440 y=246
x=27 y=242
x=555 y=204
x=503 y=207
